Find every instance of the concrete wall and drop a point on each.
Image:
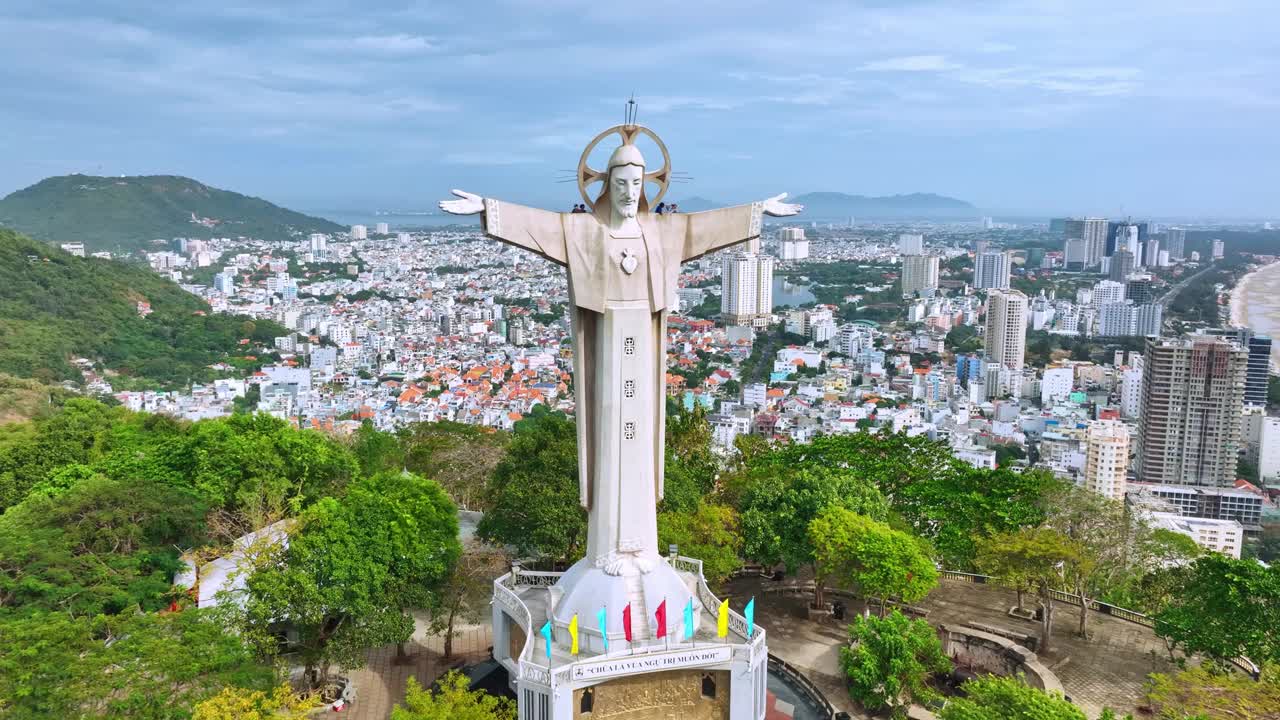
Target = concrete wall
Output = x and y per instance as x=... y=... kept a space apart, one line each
x=987 y=653
x=675 y=695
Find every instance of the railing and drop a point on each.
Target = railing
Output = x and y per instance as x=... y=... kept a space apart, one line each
x=504 y=593
x=737 y=623
x=1243 y=663
x=802 y=684
x=535 y=578
x=509 y=600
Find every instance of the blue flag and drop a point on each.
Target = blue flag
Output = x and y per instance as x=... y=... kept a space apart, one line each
x=546 y=633
x=604 y=629
x=750 y=613
x=688 y=620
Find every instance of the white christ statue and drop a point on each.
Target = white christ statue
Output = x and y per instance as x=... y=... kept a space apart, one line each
x=623 y=263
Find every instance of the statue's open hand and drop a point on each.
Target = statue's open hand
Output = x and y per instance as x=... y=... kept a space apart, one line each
x=470 y=204
x=774 y=207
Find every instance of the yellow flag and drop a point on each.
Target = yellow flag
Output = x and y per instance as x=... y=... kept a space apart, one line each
x=573 y=633
x=722 y=622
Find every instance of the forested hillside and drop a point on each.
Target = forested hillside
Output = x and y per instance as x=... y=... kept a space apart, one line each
x=55 y=307
x=128 y=213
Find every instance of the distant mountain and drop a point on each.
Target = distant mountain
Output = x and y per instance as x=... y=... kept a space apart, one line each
x=55 y=307
x=128 y=213
x=915 y=205
x=697 y=204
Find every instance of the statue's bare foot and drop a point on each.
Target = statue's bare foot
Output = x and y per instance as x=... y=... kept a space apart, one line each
x=645 y=563
x=615 y=565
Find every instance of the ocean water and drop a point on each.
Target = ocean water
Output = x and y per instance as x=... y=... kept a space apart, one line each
x=1262 y=306
x=398 y=222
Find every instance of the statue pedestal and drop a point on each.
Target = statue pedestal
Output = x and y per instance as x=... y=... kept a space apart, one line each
x=702 y=677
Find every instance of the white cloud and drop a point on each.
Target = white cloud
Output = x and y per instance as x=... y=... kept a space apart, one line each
x=910 y=63
x=397 y=43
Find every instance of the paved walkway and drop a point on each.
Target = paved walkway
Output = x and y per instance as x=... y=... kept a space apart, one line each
x=1108 y=670
x=380 y=684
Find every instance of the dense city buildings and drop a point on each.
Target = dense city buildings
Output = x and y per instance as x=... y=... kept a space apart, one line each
x=746 y=288
x=792 y=244
x=1259 y=365
x=911 y=244
x=1092 y=232
x=1175 y=241
x=991 y=270
x=919 y=275
x=1006 y=331
x=1107 y=459
x=1190 y=421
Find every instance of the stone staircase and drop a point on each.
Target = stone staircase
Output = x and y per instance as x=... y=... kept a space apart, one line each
x=640 y=629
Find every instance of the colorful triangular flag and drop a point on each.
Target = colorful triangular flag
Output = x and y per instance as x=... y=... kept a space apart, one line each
x=573 y=635
x=602 y=616
x=661 y=617
x=546 y=633
x=722 y=619
x=750 y=613
x=688 y=620
x=626 y=621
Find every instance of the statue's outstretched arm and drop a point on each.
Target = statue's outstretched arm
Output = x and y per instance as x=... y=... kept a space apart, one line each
x=539 y=231
x=713 y=230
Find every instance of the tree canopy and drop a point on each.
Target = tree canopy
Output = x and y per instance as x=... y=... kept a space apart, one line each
x=136 y=666
x=993 y=697
x=889 y=659
x=1225 y=608
x=870 y=556
x=453 y=701
x=343 y=576
x=45 y=321
x=533 y=493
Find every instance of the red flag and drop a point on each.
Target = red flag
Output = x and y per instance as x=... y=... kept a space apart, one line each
x=661 y=615
x=626 y=621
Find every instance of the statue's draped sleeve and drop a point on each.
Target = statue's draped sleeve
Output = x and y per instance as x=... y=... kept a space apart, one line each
x=707 y=232
x=539 y=231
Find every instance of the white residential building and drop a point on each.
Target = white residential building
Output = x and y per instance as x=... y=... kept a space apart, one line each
x=1131 y=389
x=1106 y=292
x=1056 y=385
x=1220 y=536
x=919 y=275
x=910 y=244
x=746 y=296
x=1107 y=458
x=1006 y=331
x=991 y=270
x=792 y=244
x=359 y=232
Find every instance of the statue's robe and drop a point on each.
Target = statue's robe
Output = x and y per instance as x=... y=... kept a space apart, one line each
x=619 y=342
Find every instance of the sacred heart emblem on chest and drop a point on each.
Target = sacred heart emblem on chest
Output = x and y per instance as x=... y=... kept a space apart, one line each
x=629 y=261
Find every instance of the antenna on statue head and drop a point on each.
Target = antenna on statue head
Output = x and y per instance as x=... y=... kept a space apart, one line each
x=631 y=110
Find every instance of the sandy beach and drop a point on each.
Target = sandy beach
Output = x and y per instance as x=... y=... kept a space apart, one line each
x=1255 y=303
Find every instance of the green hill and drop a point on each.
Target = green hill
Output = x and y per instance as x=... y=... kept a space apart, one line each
x=129 y=213
x=55 y=307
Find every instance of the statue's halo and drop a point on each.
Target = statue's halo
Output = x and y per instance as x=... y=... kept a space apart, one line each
x=629 y=133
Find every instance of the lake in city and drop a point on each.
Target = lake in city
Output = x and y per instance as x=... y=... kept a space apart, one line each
x=787 y=295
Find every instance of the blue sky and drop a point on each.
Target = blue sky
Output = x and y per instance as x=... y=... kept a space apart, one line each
x=1162 y=107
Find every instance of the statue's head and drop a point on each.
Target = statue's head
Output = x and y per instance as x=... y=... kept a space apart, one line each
x=623 y=190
